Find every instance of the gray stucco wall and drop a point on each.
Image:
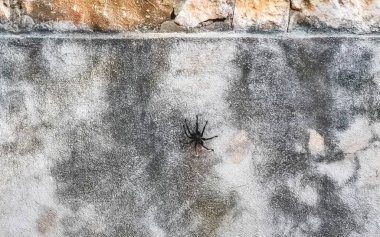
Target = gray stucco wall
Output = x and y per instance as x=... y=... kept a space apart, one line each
x=91 y=129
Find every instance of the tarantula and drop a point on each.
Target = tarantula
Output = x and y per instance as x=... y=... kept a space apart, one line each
x=196 y=136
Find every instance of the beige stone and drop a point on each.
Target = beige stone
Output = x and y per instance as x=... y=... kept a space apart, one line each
x=101 y=14
x=196 y=11
x=170 y=26
x=178 y=6
x=316 y=143
x=261 y=14
x=5 y=10
x=361 y=16
x=296 y=5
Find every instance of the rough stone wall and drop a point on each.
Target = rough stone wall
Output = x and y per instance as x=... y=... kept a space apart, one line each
x=361 y=16
x=91 y=125
x=91 y=132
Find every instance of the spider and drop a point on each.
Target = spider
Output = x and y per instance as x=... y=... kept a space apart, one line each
x=196 y=136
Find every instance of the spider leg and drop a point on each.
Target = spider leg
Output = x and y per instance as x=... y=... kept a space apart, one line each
x=188 y=142
x=184 y=129
x=187 y=127
x=205 y=139
x=207 y=148
x=196 y=124
x=204 y=127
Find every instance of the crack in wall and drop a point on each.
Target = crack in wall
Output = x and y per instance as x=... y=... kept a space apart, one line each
x=289 y=12
x=233 y=15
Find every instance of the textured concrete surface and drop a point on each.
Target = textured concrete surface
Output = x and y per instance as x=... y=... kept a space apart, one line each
x=91 y=131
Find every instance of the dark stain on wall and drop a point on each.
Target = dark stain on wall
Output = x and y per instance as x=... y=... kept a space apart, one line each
x=135 y=179
x=115 y=179
x=302 y=84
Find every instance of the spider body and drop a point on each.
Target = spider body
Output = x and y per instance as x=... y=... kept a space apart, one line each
x=196 y=136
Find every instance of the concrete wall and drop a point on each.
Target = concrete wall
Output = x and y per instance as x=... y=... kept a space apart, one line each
x=91 y=131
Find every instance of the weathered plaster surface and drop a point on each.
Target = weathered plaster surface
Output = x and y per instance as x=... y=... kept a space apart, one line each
x=91 y=129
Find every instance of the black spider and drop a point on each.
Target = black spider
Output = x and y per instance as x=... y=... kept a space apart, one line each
x=196 y=136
